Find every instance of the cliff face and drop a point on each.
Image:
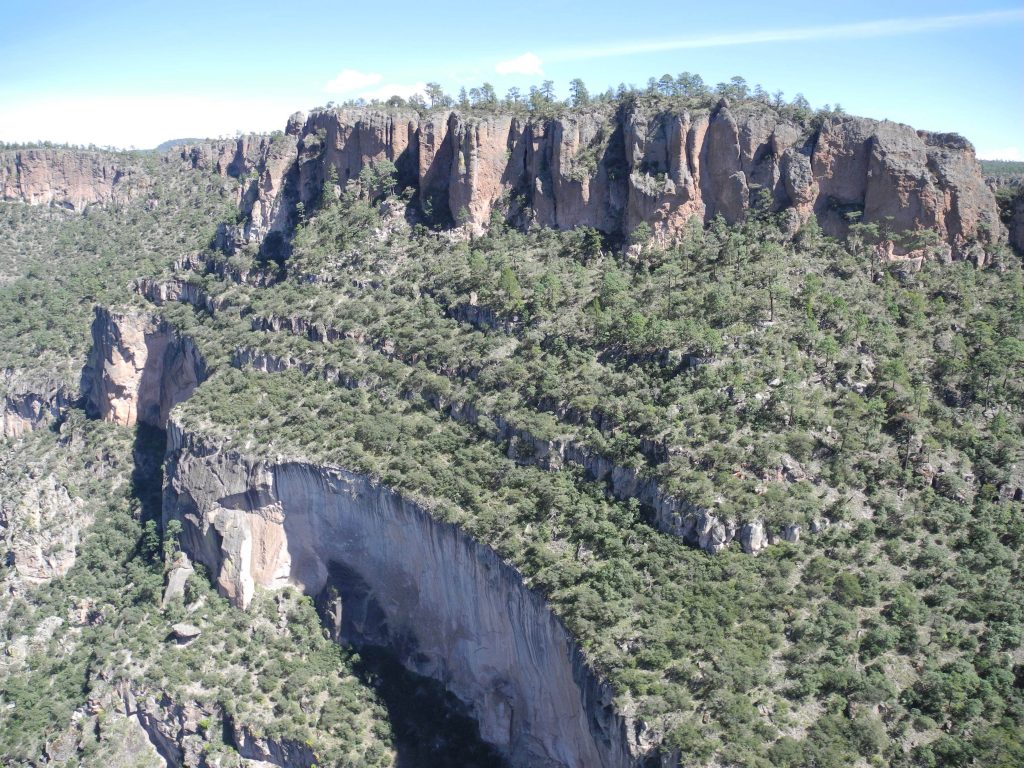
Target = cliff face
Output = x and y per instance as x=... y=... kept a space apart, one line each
x=139 y=368
x=451 y=608
x=41 y=526
x=73 y=179
x=175 y=731
x=1017 y=223
x=616 y=171
x=262 y=164
x=610 y=171
x=30 y=403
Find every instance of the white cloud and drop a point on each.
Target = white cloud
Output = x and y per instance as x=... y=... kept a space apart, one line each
x=349 y=80
x=1006 y=153
x=143 y=122
x=386 y=91
x=527 y=64
x=866 y=29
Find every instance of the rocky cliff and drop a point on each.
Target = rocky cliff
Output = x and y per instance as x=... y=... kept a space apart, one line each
x=611 y=170
x=451 y=608
x=1016 y=219
x=261 y=164
x=617 y=170
x=138 y=369
x=30 y=401
x=69 y=178
x=41 y=525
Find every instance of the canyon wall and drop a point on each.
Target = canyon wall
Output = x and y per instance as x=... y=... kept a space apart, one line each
x=30 y=402
x=454 y=610
x=1017 y=222
x=450 y=607
x=609 y=169
x=68 y=178
x=139 y=368
x=616 y=170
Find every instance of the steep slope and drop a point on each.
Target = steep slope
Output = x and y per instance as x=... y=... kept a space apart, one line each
x=452 y=608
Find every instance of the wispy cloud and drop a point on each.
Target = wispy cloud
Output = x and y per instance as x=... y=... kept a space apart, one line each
x=352 y=84
x=386 y=91
x=865 y=29
x=527 y=64
x=1001 y=153
x=349 y=80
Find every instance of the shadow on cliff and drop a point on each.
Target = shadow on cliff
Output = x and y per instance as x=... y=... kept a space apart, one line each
x=428 y=724
x=148 y=473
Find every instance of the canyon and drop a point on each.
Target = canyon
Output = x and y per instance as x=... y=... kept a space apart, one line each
x=531 y=575
x=451 y=608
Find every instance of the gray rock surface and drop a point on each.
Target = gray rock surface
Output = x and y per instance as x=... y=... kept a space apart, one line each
x=30 y=402
x=177 y=578
x=467 y=618
x=185 y=633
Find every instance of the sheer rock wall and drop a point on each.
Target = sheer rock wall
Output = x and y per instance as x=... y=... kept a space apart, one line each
x=455 y=611
x=138 y=369
x=617 y=170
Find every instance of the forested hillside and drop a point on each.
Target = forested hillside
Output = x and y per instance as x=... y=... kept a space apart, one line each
x=768 y=482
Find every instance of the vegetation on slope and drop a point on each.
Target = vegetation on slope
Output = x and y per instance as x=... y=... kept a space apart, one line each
x=796 y=381
x=100 y=633
x=55 y=264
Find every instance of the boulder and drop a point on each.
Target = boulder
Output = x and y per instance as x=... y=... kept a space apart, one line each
x=184 y=633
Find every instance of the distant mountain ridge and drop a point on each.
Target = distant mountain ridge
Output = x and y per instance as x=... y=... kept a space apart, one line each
x=167 y=146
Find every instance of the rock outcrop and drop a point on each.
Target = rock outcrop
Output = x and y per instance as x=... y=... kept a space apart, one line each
x=454 y=610
x=177 y=731
x=263 y=166
x=911 y=179
x=610 y=170
x=138 y=369
x=30 y=402
x=41 y=526
x=617 y=170
x=450 y=607
x=670 y=513
x=69 y=178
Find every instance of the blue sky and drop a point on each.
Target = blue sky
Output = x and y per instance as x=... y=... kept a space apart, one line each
x=137 y=73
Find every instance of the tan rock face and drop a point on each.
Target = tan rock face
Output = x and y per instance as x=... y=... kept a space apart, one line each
x=350 y=140
x=615 y=171
x=138 y=369
x=902 y=179
x=481 y=171
x=262 y=164
x=71 y=179
x=610 y=171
